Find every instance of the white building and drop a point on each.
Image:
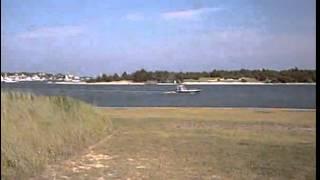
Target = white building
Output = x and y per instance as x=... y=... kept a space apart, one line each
x=36 y=78
x=67 y=78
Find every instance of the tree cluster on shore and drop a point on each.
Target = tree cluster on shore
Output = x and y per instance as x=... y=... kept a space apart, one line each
x=263 y=75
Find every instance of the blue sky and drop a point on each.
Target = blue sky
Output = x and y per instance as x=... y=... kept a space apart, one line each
x=111 y=36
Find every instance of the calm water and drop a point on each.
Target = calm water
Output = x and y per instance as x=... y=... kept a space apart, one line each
x=284 y=96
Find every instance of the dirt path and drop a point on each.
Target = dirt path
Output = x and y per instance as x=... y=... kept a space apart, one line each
x=97 y=163
x=80 y=165
x=100 y=162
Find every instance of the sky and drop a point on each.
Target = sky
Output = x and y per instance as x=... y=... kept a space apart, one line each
x=89 y=37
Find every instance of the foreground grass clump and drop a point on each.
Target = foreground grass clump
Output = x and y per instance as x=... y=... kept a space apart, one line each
x=37 y=130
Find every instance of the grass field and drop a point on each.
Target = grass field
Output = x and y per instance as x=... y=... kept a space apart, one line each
x=198 y=143
x=37 y=131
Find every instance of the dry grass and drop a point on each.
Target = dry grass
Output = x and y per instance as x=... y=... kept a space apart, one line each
x=38 y=130
x=153 y=143
x=205 y=143
x=199 y=143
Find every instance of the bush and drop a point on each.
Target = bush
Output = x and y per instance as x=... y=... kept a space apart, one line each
x=243 y=80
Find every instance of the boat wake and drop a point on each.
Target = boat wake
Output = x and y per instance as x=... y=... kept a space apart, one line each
x=170 y=92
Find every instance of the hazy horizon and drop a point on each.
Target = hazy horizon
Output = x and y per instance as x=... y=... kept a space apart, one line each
x=93 y=37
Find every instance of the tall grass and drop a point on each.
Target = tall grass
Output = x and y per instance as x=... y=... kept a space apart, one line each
x=37 y=130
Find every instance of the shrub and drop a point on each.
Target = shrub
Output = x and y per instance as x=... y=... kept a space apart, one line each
x=38 y=130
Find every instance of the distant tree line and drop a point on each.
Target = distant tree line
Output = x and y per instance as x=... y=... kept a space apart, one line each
x=264 y=75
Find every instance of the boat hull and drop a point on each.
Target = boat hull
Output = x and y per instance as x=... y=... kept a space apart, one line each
x=189 y=91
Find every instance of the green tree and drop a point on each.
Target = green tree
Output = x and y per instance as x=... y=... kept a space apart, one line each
x=115 y=77
x=124 y=76
x=141 y=76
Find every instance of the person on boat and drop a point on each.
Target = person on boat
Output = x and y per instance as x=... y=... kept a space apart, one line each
x=180 y=87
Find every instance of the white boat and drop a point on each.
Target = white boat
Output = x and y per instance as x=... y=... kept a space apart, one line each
x=9 y=81
x=182 y=89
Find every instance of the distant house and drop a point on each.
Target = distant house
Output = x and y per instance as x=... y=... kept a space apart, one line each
x=67 y=78
x=85 y=78
x=36 y=78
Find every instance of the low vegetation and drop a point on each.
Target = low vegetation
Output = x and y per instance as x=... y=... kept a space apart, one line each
x=264 y=75
x=38 y=130
x=199 y=143
x=152 y=143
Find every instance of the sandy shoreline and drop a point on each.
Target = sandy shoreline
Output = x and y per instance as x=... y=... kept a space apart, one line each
x=185 y=83
x=100 y=83
x=217 y=108
x=243 y=83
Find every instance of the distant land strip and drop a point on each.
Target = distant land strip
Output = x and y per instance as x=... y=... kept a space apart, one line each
x=293 y=75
